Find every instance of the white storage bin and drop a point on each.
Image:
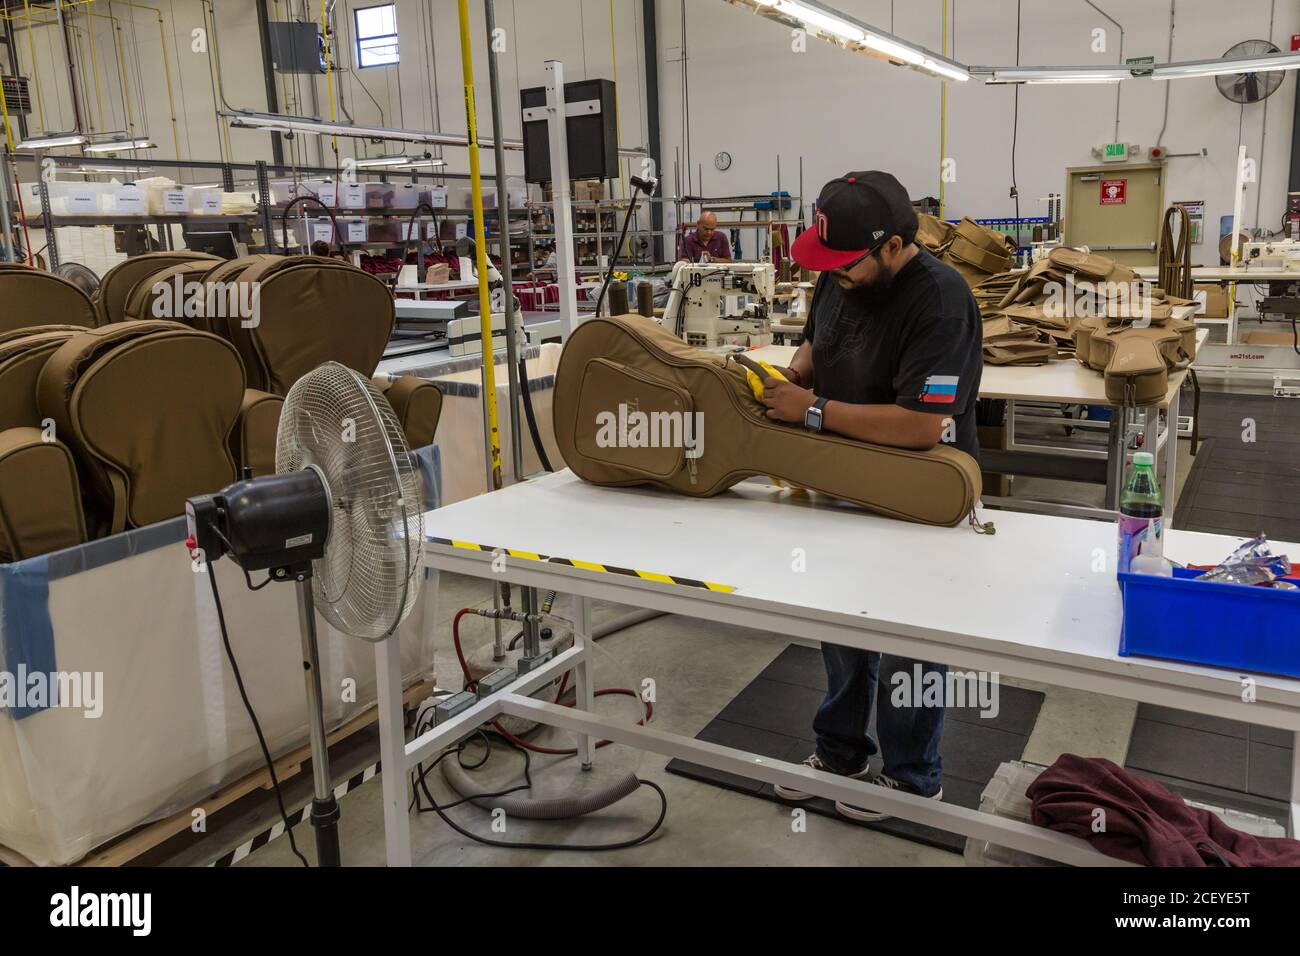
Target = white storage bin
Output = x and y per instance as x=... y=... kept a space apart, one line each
x=435 y=196
x=405 y=195
x=352 y=195
x=168 y=199
x=172 y=729
x=205 y=200
x=128 y=200
x=285 y=191
x=67 y=198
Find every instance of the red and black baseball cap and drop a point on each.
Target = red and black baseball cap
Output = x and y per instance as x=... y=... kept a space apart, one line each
x=856 y=215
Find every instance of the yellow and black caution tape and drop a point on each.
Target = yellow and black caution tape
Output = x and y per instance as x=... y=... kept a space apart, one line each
x=588 y=566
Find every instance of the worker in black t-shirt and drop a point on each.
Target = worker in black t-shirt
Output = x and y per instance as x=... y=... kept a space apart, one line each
x=892 y=356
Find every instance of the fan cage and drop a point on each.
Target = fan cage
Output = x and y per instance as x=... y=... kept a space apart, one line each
x=337 y=421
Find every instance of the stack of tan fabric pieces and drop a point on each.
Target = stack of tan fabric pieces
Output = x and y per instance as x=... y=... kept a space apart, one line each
x=1096 y=308
x=971 y=249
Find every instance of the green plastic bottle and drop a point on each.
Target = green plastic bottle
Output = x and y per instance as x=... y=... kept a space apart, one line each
x=1141 y=513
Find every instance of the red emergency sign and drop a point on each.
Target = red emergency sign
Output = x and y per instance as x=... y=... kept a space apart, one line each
x=1114 y=192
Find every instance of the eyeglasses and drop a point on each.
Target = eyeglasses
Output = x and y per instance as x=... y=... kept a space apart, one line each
x=858 y=261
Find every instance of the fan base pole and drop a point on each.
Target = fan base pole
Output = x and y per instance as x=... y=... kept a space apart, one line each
x=325 y=819
x=324 y=808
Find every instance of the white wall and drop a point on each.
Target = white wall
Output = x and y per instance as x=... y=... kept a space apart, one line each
x=750 y=94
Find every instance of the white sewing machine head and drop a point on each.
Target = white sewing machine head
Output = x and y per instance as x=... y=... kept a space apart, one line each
x=1283 y=253
x=713 y=304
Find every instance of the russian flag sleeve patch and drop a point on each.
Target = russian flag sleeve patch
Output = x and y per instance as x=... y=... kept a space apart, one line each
x=939 y=389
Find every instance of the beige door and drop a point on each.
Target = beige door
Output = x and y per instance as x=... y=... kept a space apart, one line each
x=1115 y=210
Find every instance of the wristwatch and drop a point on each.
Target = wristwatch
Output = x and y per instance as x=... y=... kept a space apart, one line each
x=812 y=419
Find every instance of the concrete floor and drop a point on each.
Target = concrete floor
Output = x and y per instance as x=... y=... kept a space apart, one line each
x=698 y=667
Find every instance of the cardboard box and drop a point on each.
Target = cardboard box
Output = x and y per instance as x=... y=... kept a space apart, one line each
x=587 y=190
x=1211 y=300
x=1270 y=338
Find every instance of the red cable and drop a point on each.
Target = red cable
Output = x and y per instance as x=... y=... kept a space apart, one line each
x=518 y=741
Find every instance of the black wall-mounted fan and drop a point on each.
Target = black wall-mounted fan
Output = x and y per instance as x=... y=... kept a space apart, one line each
x=1249 y=87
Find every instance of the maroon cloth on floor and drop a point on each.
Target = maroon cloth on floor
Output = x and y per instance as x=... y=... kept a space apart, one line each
x=1144 y=822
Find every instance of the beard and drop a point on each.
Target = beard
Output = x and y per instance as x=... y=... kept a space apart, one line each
x=872 y=292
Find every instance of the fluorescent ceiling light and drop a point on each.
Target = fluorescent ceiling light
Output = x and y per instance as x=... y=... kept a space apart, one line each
x=52 y=142
x=827 y=22
x=948 y=70
x=1063 y=74
x=1060 y=80
x=822 y=20
x=894 y=50
x=383 y=161
x=1253 y=64
x=425 y=164
x=117 y=145
x=302 y=124
x=91 y=168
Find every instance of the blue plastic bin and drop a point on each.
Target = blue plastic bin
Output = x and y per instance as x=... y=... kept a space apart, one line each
x=1236 y=626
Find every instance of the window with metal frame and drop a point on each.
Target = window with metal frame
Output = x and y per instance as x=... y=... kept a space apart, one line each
x=376 y=29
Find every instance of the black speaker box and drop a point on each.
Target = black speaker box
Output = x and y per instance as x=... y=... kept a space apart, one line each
x=593 y=136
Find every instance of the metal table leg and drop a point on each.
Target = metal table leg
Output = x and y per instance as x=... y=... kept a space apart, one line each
x=1169 y=466
x=1115 y=456
x=392 y=751
x=583 y=678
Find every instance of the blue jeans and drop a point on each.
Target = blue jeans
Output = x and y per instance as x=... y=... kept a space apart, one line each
x=909 y=735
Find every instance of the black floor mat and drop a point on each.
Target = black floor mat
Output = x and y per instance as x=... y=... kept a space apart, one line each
x=1245 y=487
x=1213 y=760
x=773 y=717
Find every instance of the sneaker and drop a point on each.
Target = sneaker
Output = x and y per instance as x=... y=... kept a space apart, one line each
x=815 y=762
x=863 y=815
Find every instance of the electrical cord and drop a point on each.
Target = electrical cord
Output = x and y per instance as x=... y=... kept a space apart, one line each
x=530 y=414
x=248 y=578
x=252 y=715
x=437 y=238
x=441 y=809
x=284 y=228
x=613 y=260
x=1015 y=124
x=470 y=684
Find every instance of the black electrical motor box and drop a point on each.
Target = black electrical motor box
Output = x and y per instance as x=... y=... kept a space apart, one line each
x=592 y=128
x=297 y=47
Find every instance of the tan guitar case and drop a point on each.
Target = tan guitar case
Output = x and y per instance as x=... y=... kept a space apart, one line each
x=115 y=287
x=633 y=362
x=140 y=301
x=40 y=495
x=30 y=298
x=147 y=409
x=312 y=310
x=1135 y=361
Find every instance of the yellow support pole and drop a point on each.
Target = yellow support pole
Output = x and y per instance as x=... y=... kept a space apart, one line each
x=329 y=84
x=480 y=246
x=31 y=52
x=943 y=117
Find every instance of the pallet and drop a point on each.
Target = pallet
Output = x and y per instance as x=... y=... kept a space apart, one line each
x=124 y=849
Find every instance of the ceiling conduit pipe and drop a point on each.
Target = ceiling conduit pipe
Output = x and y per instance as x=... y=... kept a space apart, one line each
x=277 y=122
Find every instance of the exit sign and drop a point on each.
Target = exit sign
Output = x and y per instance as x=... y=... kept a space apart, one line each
x=1114 y=152
x=1138 y=63
x=1295 y=42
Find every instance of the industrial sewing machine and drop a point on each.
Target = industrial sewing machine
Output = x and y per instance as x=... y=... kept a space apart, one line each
x=712 y=304
x=1282 y=253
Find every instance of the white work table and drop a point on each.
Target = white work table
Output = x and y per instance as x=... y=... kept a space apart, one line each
x=1025 y=601
x=1246 y=273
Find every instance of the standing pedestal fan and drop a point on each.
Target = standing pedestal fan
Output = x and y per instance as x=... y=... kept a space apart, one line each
x=342 y=521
